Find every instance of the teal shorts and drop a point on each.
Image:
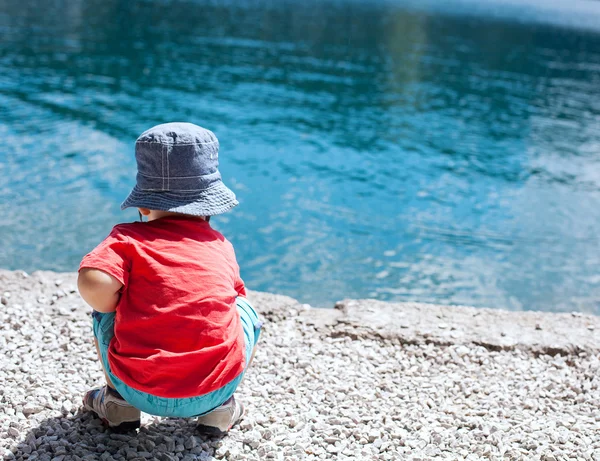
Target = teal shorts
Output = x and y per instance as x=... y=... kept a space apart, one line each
x=184 y=407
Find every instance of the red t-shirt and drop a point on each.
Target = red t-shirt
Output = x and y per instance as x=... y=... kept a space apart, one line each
x=177 y=329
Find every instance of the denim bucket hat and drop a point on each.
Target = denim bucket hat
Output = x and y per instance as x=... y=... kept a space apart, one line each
x=178 y=171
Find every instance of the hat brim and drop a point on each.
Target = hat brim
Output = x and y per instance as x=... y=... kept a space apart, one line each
x=215 y=200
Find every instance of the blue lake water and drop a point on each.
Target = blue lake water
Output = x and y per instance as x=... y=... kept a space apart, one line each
x=434 y=151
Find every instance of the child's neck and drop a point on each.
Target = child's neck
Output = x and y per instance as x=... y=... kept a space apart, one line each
x=157 y=214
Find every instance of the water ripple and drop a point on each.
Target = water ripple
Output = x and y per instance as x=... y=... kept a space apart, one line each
x=432 y=151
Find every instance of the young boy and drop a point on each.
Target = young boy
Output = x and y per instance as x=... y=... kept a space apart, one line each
x=173 y=330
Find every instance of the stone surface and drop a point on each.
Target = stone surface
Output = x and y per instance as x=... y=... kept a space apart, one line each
x=367 y=380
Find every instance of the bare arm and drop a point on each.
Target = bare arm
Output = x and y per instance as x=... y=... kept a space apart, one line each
x=99 y=289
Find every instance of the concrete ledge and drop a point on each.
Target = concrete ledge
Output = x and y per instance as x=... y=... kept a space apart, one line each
x=538 y=332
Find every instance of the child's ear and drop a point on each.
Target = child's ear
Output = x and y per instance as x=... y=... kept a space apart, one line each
x=144 y=211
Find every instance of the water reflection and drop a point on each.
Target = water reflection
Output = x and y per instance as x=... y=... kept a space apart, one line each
x=393 y=150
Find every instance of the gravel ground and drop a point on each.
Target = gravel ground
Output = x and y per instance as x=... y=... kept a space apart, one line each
x=325 y=384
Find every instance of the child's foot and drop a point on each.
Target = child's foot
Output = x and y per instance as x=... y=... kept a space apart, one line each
x=114 y=412
x=221 y=419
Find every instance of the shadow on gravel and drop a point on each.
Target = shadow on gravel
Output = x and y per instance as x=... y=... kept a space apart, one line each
x=82 y=437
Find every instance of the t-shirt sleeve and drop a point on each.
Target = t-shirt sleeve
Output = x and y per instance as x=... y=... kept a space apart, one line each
x=238 y=286
x=111 y=256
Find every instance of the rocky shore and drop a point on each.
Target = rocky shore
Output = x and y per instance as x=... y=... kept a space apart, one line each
x=367 y=380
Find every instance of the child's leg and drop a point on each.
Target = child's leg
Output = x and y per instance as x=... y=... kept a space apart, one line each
x=222 y=418
x=251 y=325
x=106 y=377
x=103 y=331
x=105 y=401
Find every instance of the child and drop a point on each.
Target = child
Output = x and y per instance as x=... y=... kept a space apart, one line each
x=173 y=329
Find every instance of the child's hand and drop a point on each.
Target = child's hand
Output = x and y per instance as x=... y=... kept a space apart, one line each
x=99 y=289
